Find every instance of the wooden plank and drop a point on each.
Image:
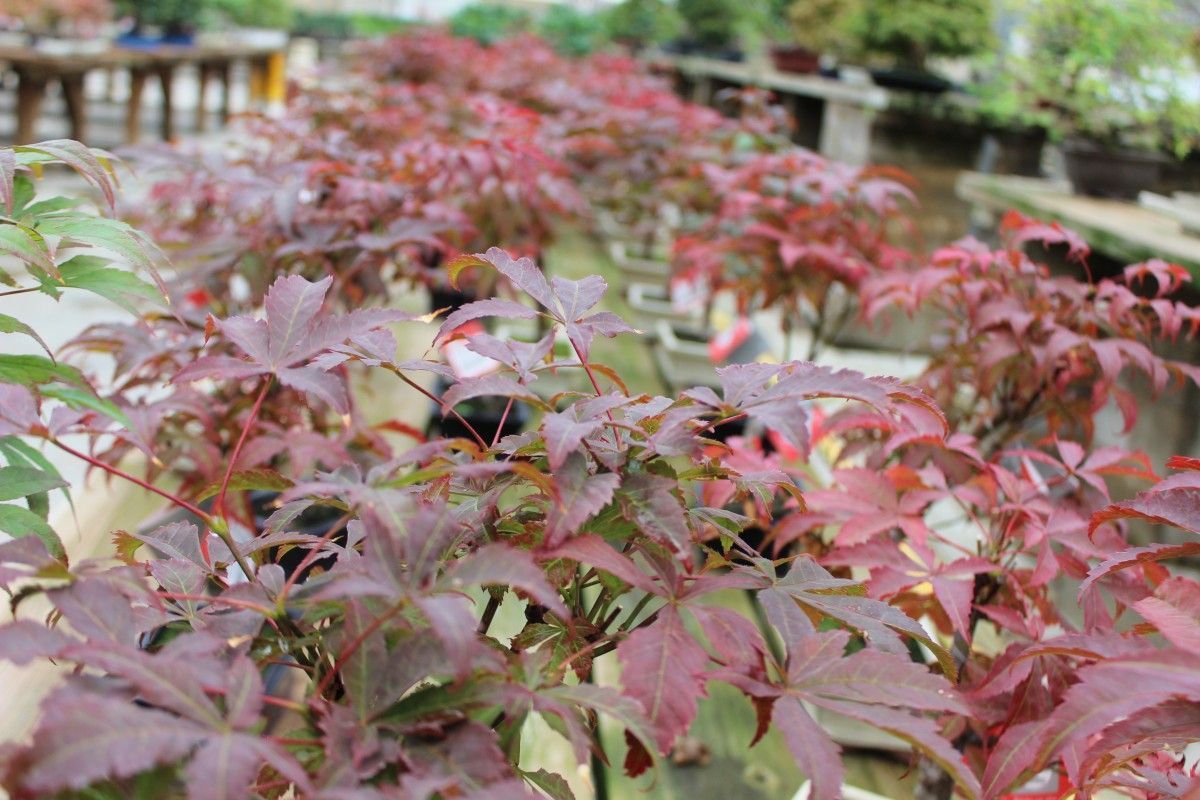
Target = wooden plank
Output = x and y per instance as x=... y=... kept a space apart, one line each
x=869 y=96
x=1125 y=231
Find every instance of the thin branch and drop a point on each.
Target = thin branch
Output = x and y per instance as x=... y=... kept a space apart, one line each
x=219 y=504
x=394 y=370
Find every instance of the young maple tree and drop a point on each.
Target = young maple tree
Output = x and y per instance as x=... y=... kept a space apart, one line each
x=790 y=225
x=944 y=560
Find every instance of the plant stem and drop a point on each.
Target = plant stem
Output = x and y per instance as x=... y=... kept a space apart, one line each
x=120 y=473
x=395 y=370
x=219 y=504
x=12 y=292
x=489 y=613
x=503 y=419
x=352 y=648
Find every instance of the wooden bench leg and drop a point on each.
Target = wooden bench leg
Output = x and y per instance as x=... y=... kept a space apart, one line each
x=72 y=86
x=225 y=73
x=31 y=91
x=133 y=111
x=166 y=78
x=204 y=71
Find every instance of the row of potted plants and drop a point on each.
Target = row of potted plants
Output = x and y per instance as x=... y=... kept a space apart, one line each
x=908 y=544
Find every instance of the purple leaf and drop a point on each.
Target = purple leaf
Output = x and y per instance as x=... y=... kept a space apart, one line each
x=523 y=272
x=563 y=434
x=654 y=508
x=498 y=564
x=24 y=640
x=579 y=495
x=1135 y=556
x=815 y=753
x=662 y=667
x=591 y=549
x=492 y=307
x=84 y=737
x=487 y=386
x=292 y=304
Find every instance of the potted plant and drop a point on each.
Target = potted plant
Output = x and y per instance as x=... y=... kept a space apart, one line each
x=65 y=26
x=488 y=23
x=908 y=33
x=638 y=24
x=790 y=227
x=819 y=27
x=714 y=27
x=1015 y=129
x=571 y=32
x=162 y=21
x=1108 y=75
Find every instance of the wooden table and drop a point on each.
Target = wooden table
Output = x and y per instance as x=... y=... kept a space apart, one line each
x=846 y=108
x=1123 y=230
x=36 y=70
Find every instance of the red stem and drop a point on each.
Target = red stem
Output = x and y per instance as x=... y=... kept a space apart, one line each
x=439 y=401
x=109 y=468
x=310 y=557
x=596 y=385
x=219 y=504
x=229 y=601
x=352 y=648
x=503 y=419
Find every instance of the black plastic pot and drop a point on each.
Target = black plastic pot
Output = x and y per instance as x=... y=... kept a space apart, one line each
x=451 y=299
x=1097 y=171
x=911 y=80
x=313 y=521
x=1119 y=174
x=484 y=414
x=1014 y=151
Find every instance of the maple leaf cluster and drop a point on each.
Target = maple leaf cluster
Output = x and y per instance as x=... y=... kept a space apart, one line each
x=331 y=613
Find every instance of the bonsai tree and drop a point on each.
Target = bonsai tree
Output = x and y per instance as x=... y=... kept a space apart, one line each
x=488 y=23
x=713 y=24
x=1109 y=72
x=638 y=23
x=255 y=13
x=172 y=17
x=912 y=31
x=820 y=26
x=59 y=16
x=571 y=32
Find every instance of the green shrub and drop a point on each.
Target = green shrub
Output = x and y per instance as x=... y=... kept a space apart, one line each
x=488 y=24
x=643 y=22
x=713 y=23
x=571 y=32
x=912 y=31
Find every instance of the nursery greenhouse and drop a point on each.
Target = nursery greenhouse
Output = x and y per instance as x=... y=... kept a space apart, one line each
x=599 y=400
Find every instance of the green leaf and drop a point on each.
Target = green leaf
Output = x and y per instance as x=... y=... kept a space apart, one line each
x=80 y=399
x=94 y=165
x=13 y=325
x=36 y=370
x=555 y=786
x=17 y=482
x=50 y=206
x=20 y=453
x=92 y=274
x=249 y=480
x=19 y=522
x=23 y=192
x=27 y=245
x=107 y=234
